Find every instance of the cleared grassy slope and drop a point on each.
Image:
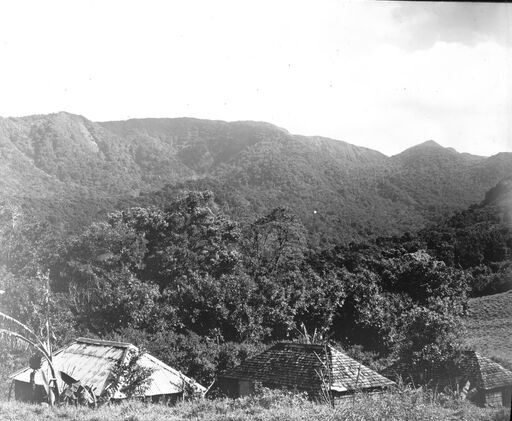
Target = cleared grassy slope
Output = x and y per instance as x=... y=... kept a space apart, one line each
x=489 y=325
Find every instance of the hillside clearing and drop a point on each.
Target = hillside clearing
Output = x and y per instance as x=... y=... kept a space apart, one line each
x=489 y=325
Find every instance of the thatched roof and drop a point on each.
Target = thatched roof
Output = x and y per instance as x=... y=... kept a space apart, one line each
x=482 y=372
x=301 y=366
x=91 y=361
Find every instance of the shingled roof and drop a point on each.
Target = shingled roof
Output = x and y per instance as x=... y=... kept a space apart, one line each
x=301 y=366
x=91 y=361
x=482 y=372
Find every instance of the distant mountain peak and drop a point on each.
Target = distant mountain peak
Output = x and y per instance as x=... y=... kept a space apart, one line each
x=430 y=156
x=429 y=144
x=428 y=147
x=69 y=168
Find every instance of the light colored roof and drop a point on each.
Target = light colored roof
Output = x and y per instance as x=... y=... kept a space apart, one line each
x=165 y=379
x=296 y=365
x=91 y=361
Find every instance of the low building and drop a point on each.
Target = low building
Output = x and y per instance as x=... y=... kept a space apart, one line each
x=309 y=368
x=90 y=362
x=477 y=378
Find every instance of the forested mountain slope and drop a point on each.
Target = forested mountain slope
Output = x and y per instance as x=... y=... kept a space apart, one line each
x=479 y=240
x=70 y=169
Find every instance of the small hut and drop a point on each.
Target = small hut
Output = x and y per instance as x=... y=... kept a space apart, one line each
x=310 y=368
x=476 y=377
x=90 y=362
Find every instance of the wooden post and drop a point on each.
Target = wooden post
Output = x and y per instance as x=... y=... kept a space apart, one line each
x=33 y=386
x=10 y=390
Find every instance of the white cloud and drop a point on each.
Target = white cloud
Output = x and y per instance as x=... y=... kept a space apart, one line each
x=458 y=95
x=339 y=69
x=468 y=23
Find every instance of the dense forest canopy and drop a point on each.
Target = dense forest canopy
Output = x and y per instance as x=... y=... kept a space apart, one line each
x=203 y=290
x=204 y=241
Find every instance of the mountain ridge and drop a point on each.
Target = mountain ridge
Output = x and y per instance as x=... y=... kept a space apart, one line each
x=251 y=166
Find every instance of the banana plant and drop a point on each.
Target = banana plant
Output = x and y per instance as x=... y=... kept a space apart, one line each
x=18 y=332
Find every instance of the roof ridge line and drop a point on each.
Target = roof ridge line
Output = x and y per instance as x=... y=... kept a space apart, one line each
x=105 y=343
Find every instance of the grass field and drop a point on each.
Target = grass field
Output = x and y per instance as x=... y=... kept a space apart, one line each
x=408 y=404
x=489 y=325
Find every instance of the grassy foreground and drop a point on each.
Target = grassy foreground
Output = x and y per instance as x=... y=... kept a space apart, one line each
x=411 y=405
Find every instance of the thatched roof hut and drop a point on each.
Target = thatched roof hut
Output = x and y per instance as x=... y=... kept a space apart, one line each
x=310 y=368
x=481 y=379
x=91 y=361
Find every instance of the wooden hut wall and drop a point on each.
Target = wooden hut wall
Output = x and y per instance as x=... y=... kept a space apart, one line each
x=23 y=392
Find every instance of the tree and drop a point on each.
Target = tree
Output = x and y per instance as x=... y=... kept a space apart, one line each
x=98 y=272
x=155 y=269
x=422 y=277
x=429 y=338
x=275 y=243
x=113 y=299
x=17 y=331
x=129 y=377
x=190 y=235
x=384 y=281
x=27 y=244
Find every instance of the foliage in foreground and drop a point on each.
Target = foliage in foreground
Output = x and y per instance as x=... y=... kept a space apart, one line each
x=189 y=275
x=202 y=291
x=407 y=404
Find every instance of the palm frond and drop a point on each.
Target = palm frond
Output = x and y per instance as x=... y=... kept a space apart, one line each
x=37 y=345
x=17 y=338
x=9 y=323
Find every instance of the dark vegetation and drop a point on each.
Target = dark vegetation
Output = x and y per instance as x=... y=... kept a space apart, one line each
x=479 y=241
x=202 y=291
x=172 y=234
x=73 y=171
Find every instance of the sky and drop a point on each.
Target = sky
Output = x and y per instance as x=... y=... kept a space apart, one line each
x=385 y=75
